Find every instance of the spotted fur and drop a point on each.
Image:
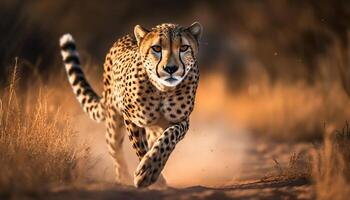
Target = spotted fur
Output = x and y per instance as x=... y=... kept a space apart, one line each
x=150 y=81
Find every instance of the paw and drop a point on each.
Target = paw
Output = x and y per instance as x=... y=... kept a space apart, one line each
x=160 y=184
x=148 y=170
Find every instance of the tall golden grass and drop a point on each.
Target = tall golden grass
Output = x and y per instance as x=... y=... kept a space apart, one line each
x=37 y=146
x=331 y=165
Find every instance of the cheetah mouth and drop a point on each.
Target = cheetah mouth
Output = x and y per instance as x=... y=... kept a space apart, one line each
x=171 y=79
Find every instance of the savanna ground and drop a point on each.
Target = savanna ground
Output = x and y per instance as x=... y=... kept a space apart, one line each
x=270 y=120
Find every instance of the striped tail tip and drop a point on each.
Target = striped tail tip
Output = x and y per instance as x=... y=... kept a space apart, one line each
x=66 y=38
x=67 y=43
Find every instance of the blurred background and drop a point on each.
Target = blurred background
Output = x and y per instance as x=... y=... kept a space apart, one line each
x=276 y=69
x=283 y=40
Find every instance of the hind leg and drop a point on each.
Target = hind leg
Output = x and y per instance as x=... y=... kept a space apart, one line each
x=114 y=139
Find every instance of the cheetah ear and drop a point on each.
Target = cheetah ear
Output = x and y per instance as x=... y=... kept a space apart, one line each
x=139 y=33
x=196 y=30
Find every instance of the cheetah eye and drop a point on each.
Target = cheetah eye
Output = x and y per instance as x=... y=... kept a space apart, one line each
x=184 y=48
x=157 y=48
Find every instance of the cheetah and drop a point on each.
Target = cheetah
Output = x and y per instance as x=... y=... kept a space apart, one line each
x=150 y=81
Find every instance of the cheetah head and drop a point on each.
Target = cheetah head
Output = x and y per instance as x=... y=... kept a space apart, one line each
x=168 y=52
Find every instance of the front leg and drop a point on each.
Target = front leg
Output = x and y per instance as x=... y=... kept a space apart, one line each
x=137 y=137
x=154 y=161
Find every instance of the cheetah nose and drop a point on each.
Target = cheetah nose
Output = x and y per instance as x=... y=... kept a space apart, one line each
x=171 y=69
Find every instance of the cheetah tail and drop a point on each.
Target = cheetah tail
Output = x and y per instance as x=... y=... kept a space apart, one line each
x=88 y=99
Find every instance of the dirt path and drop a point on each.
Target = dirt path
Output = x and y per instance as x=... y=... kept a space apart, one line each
x=267 y=189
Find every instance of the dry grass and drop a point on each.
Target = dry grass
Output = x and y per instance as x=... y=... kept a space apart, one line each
x=282 y=111
x=299 y=167
x=37 y=146
x=331 y=167
x=290 y=112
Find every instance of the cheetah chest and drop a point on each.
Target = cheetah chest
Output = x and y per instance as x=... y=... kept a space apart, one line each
x=147 y=105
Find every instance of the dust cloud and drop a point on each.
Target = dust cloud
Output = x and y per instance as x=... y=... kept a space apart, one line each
x=211 y=154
